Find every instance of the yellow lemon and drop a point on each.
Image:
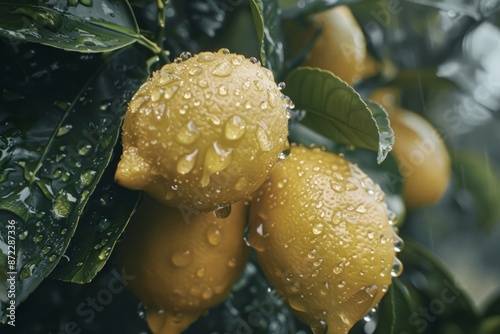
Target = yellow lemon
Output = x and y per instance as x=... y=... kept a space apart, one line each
x=320 y=227
x=203 y=132
x=182 y=264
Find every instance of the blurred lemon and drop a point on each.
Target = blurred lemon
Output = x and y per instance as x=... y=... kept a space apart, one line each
x=321 y=230
x=420 y=152
x=183 y=263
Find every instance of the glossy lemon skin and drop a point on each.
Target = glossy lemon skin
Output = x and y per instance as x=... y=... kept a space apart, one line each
x=321 y=231
x=203 y=132
x=183 y=262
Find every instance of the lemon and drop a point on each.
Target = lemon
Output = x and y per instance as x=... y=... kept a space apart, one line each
x=320 y=227
x=183 y=265
x=420 y=152
x=203 y=132
x=341 y=47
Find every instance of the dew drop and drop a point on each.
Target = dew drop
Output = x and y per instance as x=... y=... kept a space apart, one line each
x=318 y=229
x=223 y=90
x=200 y=272
x=186 y=163
x=263 y=140
x=188 y=134
x=141 y=311
x=281 y=85
x=87 y=177
x=196 y=70
x=64 y=130
x=253 y=60
x=217 y=159
x=224 y=69
x=224 y=51
x=181 y=258
x=297 y=303
x=398 y=243
x=232 y=262
x=241 y=183
x=23 y=235
x=156 y=94
x=205 y=57
x=397 y=268
x=170 y=91
x=214 y=236
x=222 y=211
x=207 y=293
x=235 y=128
x=342 y=284
x=103 y=255
x=264 y=105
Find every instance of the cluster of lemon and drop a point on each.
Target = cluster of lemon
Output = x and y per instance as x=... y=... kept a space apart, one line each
x=206 y=134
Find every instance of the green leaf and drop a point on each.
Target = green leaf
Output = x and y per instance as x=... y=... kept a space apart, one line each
x=105 y=217
x=443 y=303
x=55 y=153
x=336 y=111
x=104 y=25
x=267 y=21
x=475 y=174
x=493 y=307
x=490 y=325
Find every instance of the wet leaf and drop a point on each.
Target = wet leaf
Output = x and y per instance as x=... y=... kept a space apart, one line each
x=104 y=25
x=102 y=222
x=490 y=325
x=54 y=152
x=475 y=174
x=336 y=111
x=267 y=21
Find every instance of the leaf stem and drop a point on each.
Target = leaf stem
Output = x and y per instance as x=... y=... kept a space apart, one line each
x=149 y=44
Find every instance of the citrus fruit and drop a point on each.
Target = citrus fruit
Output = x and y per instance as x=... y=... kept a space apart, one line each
x=321 y=230
x=203 y=132
x=421 y=154
x=341 y=46
x=183 y=264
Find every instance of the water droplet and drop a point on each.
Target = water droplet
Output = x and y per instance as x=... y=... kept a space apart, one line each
x=399 y=243
x=264 y=105
x=217 y=159
x=87 y=177
x=214 y=235
x=397 y=268
x=263 y=140
x=63 y=205
x=79 y=264
x=141 y=311
x=186 y=163
x=297 y=303
x=196 y=70
x=223 y=90
x=170 y=91
x=188 y=134
x=222 y=211
x=46 y=250
x=207 y=293
x=161 y=310
x=205 y=57
x=181 y=258
x=253 y=60
x=383 y=239
x=52 y=258
x=361 y=209
x=156 y=94
x=342 y=284
x=23 y=235
x=103 y=224
x=237 y=60
x=232 y=262
x=312 y=254
x=372 y=290
x=187 y=95
x=200 y=272
x=371 y=235
x=241 y=183
x=281 y=85
x=235 y=128
x=224 y=69
x=28 y=268
x=64 y=130
x=224 y=51
x=104 y=254
x=259 y=85
x=318 y=229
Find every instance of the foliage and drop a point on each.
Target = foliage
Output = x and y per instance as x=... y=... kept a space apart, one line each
x=68 y=69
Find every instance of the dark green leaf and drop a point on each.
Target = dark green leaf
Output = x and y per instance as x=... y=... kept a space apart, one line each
x=475 y=9
x=267 y=21
x=102 y=26
x=103 y=220
x=443 y=303
x=54 y=153
x=336 y=111
x=493 y=307
x=386 y=318
x=490 y=325
x=475 y=174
